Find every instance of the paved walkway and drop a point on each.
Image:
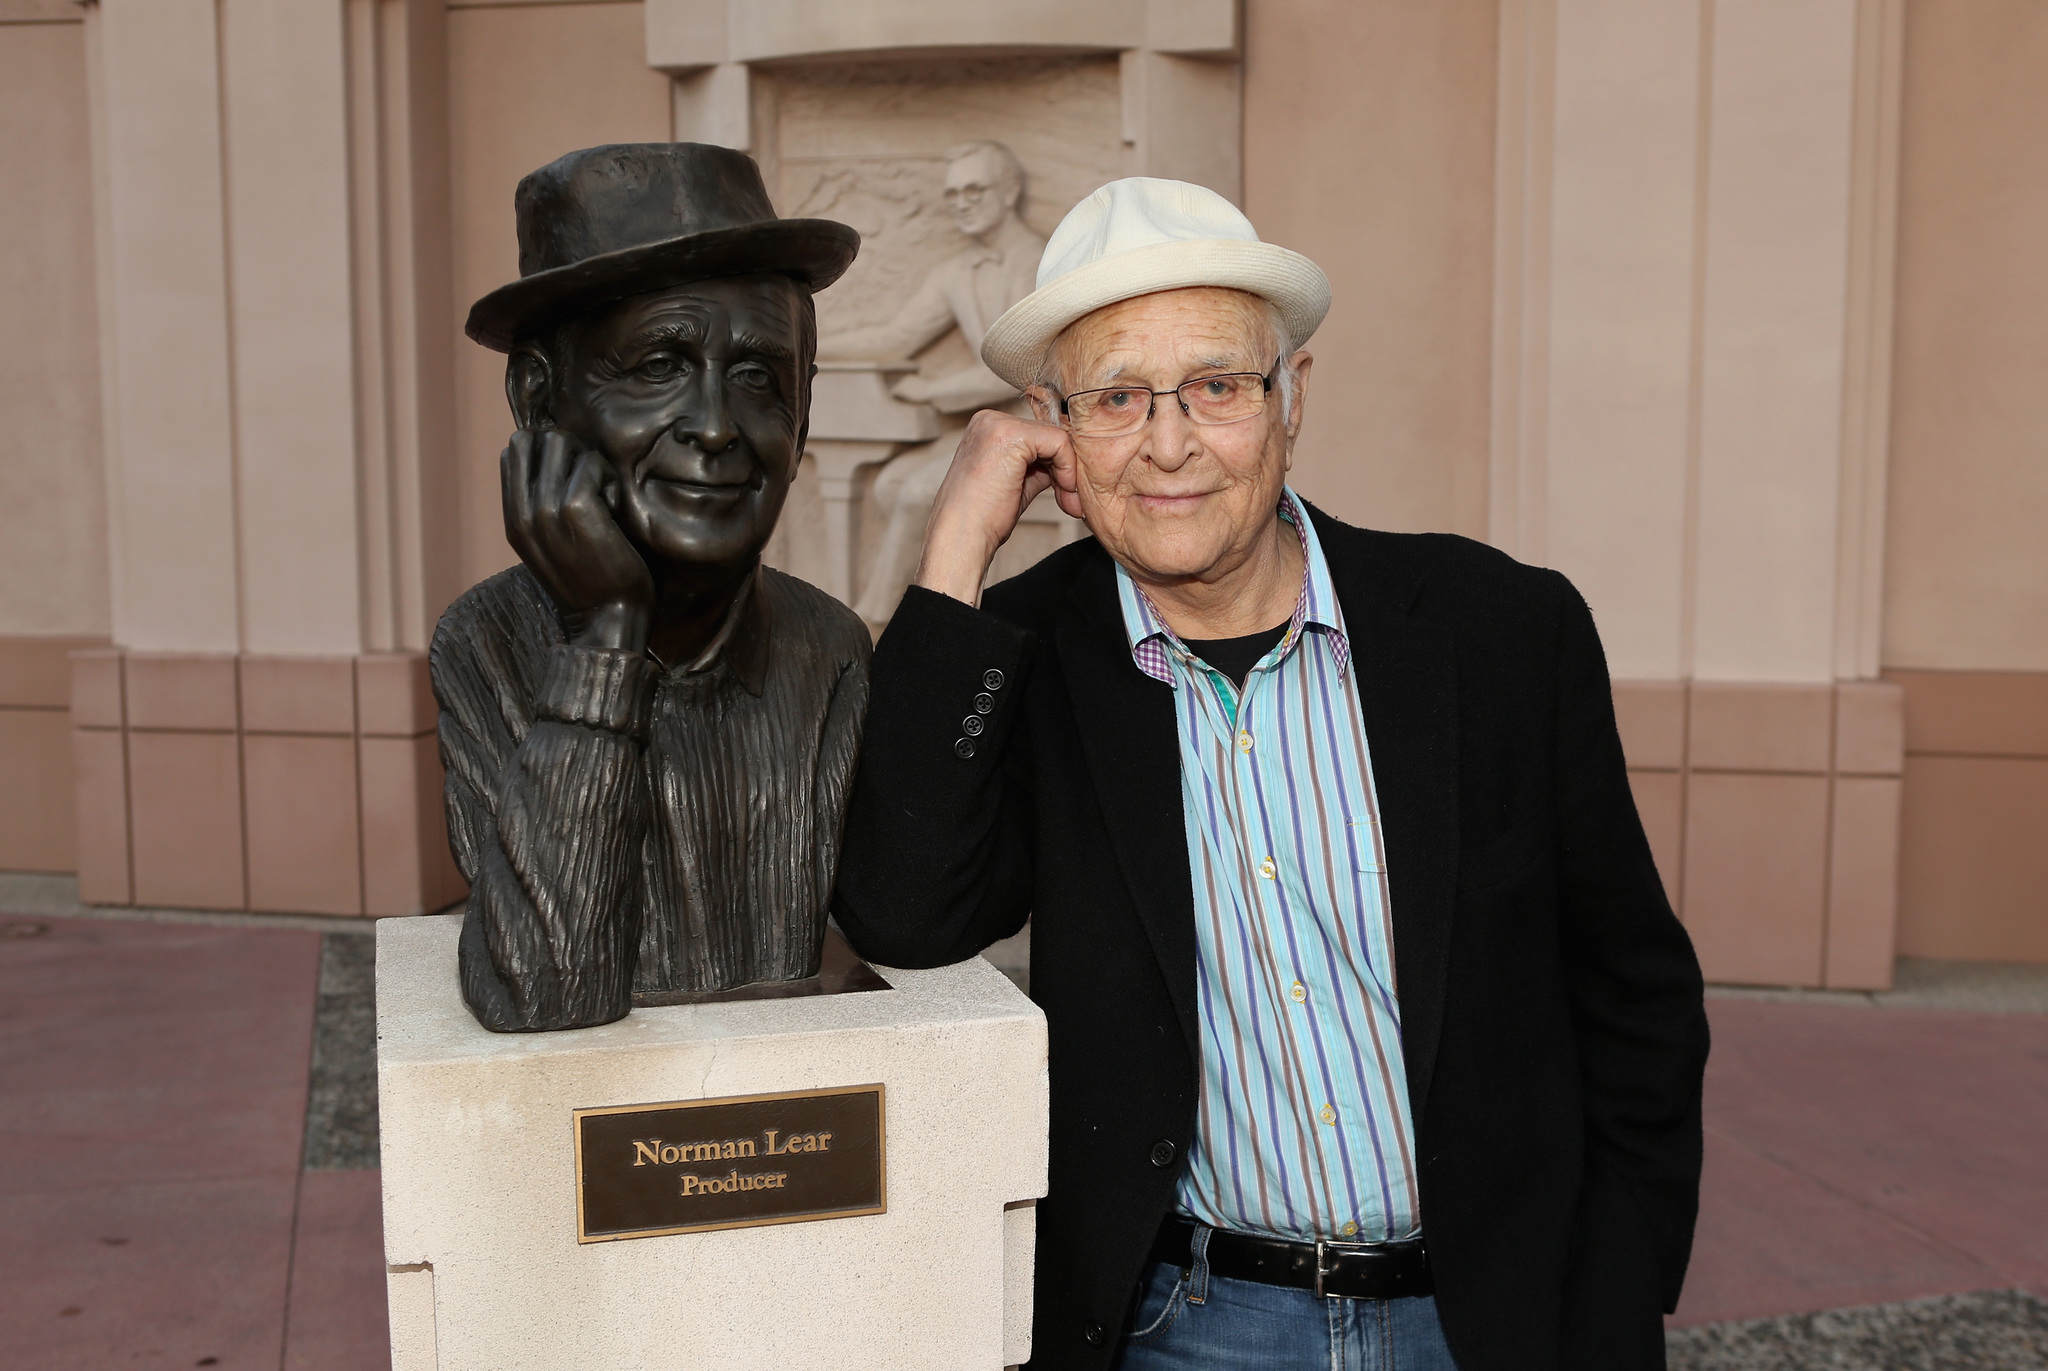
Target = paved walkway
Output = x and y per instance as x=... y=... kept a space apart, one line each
x=1859 y=1155
x=164 y=1203
x=153 y=1209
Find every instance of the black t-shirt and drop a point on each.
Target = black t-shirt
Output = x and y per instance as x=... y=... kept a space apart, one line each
x=1235 y=657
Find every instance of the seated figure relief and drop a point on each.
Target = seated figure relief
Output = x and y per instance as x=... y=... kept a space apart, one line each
x=984 y=190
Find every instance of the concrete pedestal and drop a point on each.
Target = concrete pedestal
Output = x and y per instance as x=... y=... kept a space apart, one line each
x=486 y=1273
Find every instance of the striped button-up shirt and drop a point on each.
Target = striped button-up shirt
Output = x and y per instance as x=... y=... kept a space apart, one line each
x=1303 y=1129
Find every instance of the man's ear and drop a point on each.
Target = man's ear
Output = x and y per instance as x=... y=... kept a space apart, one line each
x=1299 y=364
x=1043 y=404
x=529 y=382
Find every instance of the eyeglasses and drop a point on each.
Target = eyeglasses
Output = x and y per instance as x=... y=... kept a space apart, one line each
x=1118 y=411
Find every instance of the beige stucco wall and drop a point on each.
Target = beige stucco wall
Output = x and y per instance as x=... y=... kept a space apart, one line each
x=1368 y=133
x=284 y=134
x=1966 y=572
x=53 y=535
x=1966 y=576
x=1622 y=186
x=1688 y=239
x=526 y=83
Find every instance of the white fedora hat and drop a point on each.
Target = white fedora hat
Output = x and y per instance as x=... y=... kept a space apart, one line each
x=1141 y=235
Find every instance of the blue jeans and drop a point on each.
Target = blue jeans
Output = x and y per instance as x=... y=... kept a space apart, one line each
x=1208 y=1322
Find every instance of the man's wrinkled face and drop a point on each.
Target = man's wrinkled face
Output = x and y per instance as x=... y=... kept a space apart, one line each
x=979 y=192
x=1177 y=500
x=696 y=398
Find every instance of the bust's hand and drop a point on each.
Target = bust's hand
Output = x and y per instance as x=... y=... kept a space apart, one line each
x=1003 y=463
x=559 y=498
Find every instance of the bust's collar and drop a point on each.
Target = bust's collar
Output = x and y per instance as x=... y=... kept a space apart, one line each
x=742 y=639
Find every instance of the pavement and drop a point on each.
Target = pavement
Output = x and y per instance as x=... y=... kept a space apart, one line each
x=1857 y=1156
x=188 y=1152
x=157 y=1208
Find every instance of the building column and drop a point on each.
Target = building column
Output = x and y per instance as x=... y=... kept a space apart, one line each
x=274 y=324
x=1695 y=201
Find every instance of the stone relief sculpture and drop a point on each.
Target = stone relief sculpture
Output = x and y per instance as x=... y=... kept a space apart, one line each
x=648 y=735
x=984 y=191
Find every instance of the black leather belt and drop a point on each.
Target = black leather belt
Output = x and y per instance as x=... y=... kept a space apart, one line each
x=1352 y=1270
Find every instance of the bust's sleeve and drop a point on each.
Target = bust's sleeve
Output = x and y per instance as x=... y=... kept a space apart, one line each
x=838 y=754
x=547 y=803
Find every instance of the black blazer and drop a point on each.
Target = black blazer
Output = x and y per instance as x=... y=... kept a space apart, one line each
x=1551 y=1010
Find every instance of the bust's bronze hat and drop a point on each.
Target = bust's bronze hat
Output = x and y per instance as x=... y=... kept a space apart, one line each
x=608 y=222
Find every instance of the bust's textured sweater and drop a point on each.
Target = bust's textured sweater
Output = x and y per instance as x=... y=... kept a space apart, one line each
x=628 y=827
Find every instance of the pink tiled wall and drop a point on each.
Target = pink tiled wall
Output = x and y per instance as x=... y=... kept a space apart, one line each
x=1773 y=810
x=36 y=831
x=294 y=785
x=1973 y=868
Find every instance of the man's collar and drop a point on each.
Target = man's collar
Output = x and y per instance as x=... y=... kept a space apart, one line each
x=1153 y=643
x=1320 y=606
x=742 y=639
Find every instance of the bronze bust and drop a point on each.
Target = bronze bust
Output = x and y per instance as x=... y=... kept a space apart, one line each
x=648 y=735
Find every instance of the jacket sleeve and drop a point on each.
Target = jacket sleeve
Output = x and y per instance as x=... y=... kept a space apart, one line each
x=937 y=863
x=547 y=808
x=1634 y=984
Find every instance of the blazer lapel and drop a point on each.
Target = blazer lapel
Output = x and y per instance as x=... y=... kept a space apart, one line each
x=1125 y=721
x=1408 y=691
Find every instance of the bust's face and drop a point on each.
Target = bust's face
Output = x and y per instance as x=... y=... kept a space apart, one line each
x=979 y=192
x=695 y=397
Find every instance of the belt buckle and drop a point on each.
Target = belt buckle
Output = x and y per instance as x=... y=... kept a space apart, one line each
x=1324 y=1245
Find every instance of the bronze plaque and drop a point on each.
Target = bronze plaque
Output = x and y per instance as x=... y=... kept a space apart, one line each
x=643 y=1170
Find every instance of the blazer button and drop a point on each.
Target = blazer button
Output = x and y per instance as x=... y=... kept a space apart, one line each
x=963 y=748
x=1163 y=1153
x=991 y=679
x=972 y=725
x=1096 y=1335
x=984 y=703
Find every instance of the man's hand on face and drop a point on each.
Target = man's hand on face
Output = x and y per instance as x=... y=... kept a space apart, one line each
x=559 y=502
x=1003 y=463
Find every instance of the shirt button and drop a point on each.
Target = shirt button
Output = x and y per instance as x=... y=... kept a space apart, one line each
x=1351 y=1228
x=963 y=748
x=972 y=725
x=1300 y=992
x=1266 y=868
x=1328 y=1114
x=1163 y=1153
x=1244 y=741
x=984 y=703
x=992 y=679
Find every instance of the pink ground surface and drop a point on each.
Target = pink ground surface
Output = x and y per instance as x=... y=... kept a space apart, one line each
x=153 y=1213
x=1859 y=1155
x=152 y=1209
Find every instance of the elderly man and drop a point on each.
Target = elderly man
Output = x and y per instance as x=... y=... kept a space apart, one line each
x=1374 y=1041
